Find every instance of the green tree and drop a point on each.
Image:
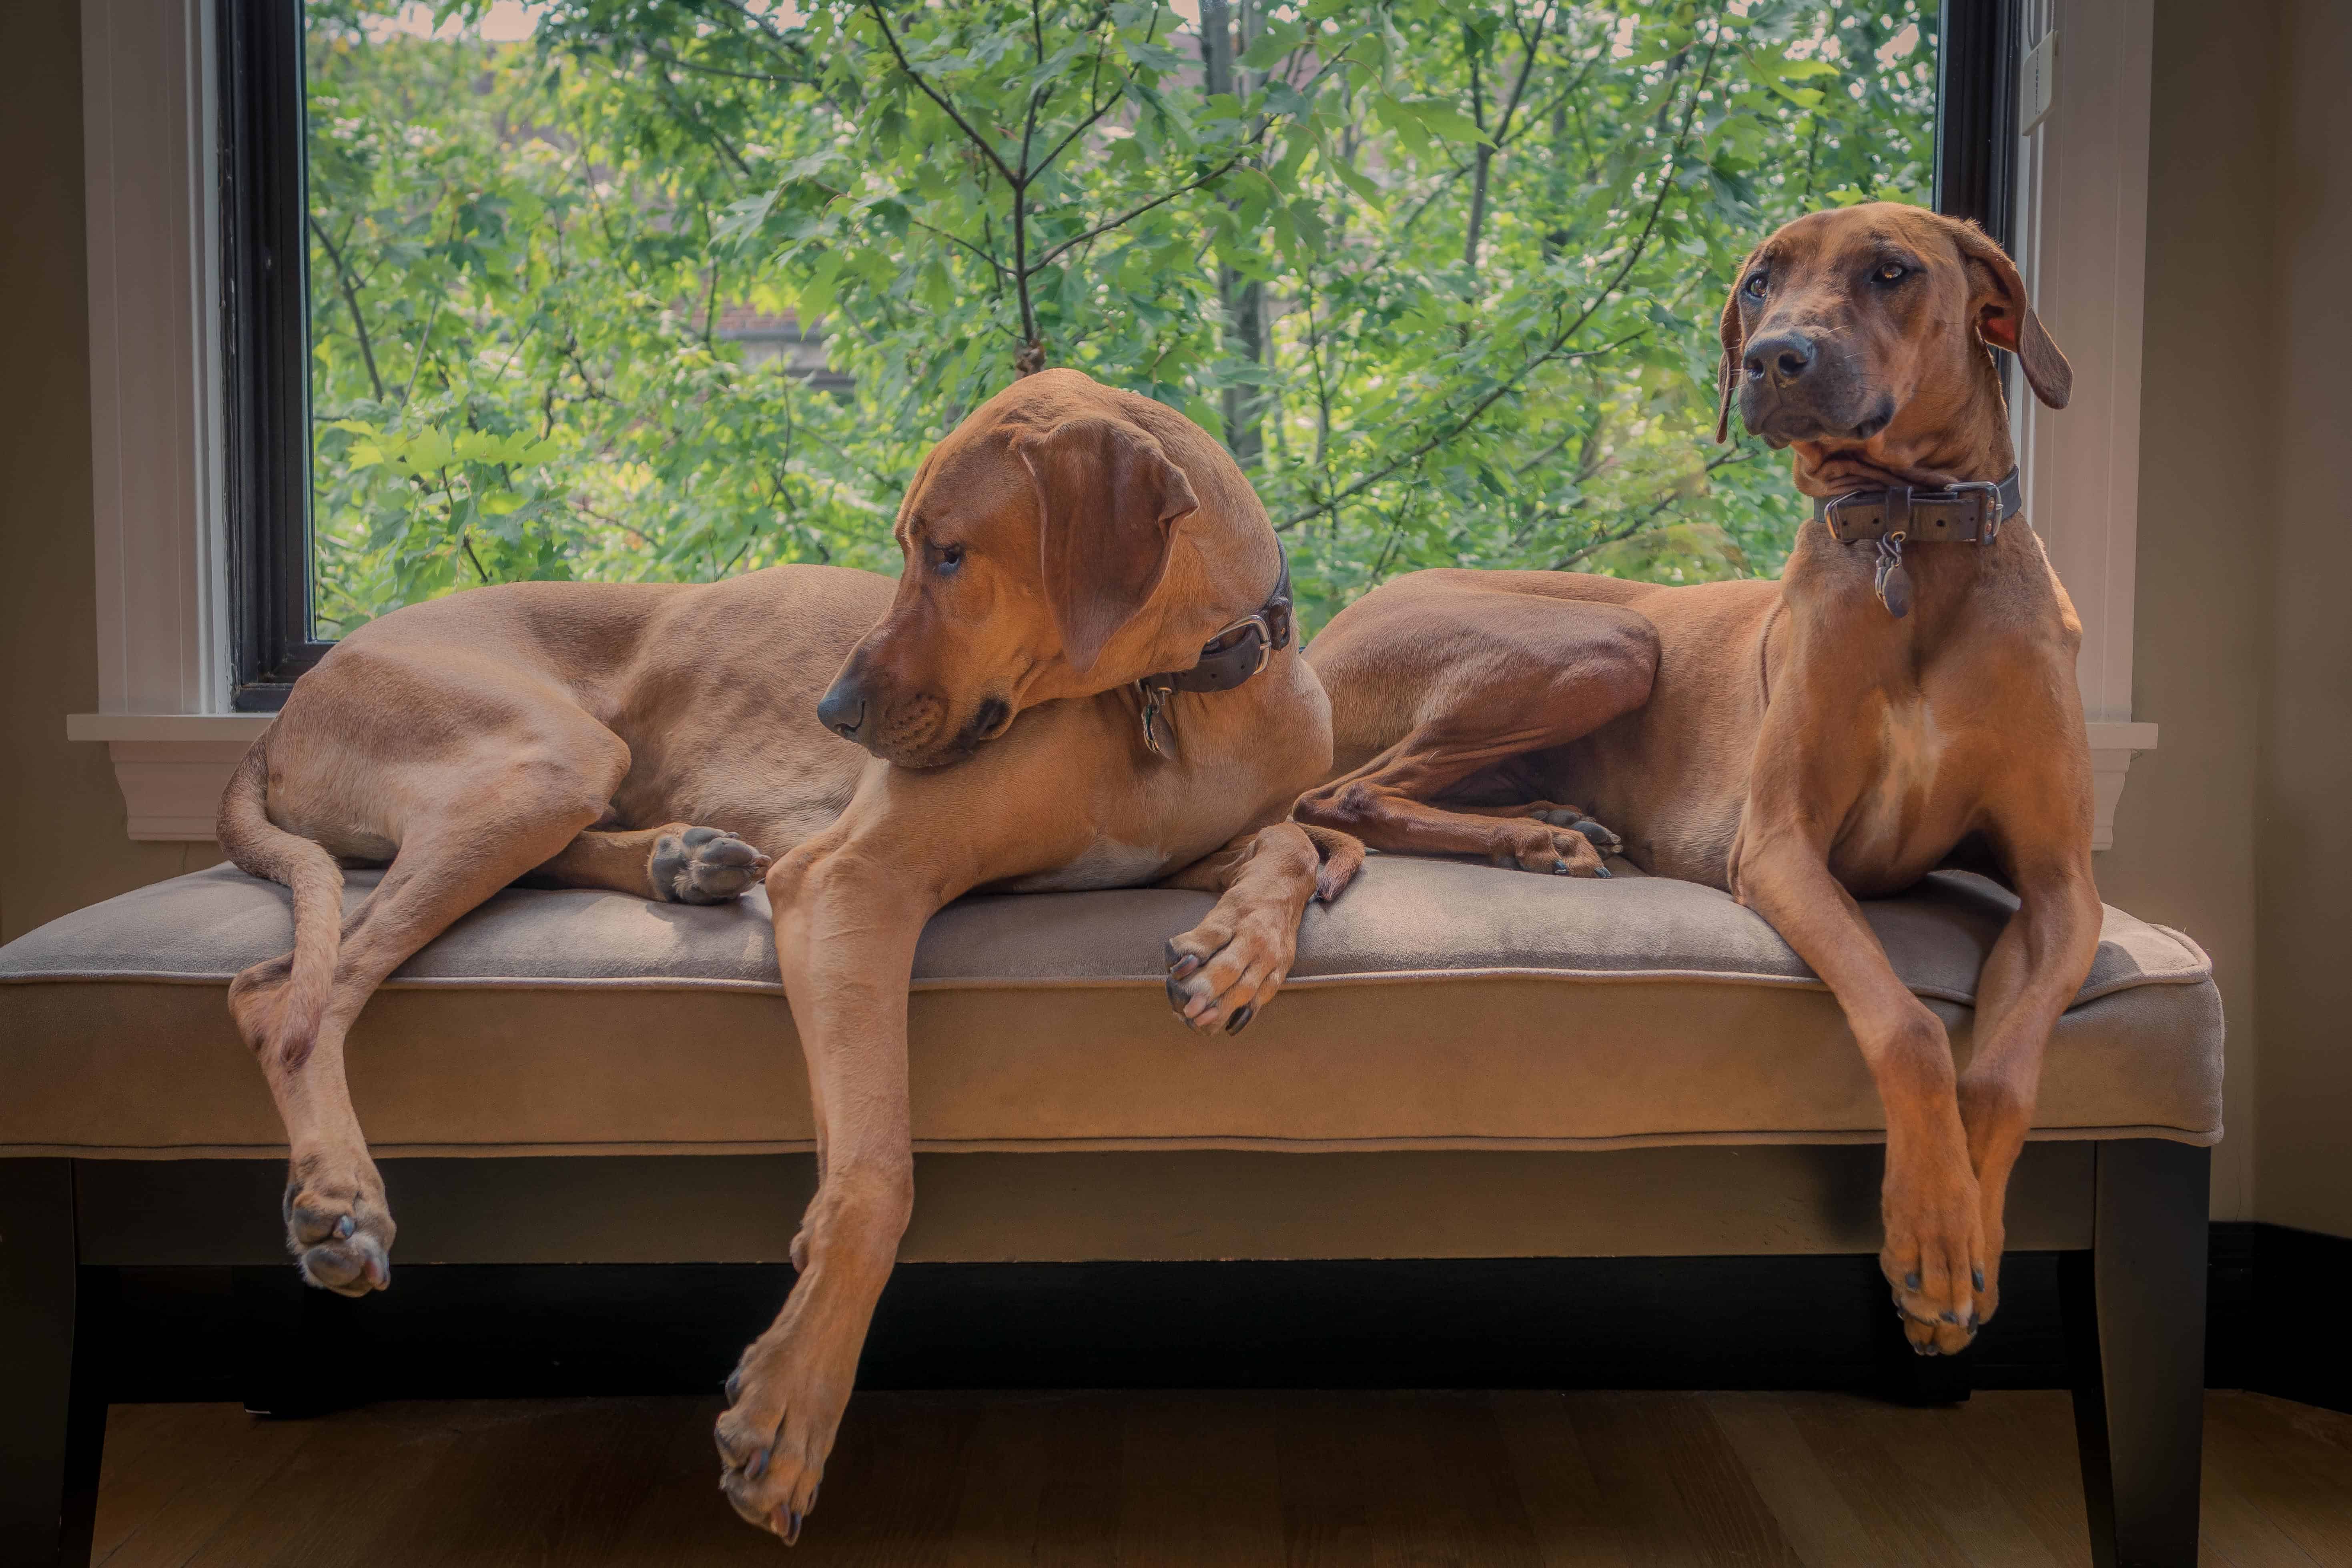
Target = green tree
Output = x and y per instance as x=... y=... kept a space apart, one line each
x=1443 y=275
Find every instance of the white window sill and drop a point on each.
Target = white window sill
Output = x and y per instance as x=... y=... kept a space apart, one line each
x=174 y=766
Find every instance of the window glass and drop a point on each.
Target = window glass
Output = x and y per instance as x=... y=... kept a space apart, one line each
x=617 y=290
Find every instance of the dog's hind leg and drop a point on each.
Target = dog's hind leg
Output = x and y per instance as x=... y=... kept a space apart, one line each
x=493 y=818
x=676 y=863
x=1445 y=684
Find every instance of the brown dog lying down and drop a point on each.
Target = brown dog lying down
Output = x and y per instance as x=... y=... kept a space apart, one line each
x=1874 y=715
x=679 y=742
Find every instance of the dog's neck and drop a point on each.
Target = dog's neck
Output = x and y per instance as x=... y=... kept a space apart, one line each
x=1959 y=444
x=1221 y=569
x=1962 y=445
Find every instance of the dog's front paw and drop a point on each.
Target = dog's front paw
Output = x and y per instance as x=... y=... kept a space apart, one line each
x=784 y=1404
x=1937 y=1264
x=705 y=866
x=1223 y=971
x=338 y=1226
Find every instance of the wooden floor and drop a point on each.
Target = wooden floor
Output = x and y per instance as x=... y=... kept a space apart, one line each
x=1200 y=1479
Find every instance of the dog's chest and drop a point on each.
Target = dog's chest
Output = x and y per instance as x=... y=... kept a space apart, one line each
x=1105 y=863
x=1914 y=804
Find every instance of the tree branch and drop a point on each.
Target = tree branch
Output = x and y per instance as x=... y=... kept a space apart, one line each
x=1019 y=183
x=349 y=287
x=1648 y=514
x=1559 y=339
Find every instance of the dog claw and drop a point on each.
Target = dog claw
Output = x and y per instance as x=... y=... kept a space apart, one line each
x=1976 y=1278
x=1605 y=873
x=1559 y=868
x=344 y=1226
x=1240 y=1020
x=792 y=1528
x=1185 y=966
x=1911 y=1280
x=756 y=1465
x=734 y=1386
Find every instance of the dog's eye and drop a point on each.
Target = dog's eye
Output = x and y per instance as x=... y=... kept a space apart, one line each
x=1892 y=272
x=951 y=557
x=1756 y=285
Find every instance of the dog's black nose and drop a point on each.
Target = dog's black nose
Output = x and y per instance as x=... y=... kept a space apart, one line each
x=1783 y=357
x=842 y=710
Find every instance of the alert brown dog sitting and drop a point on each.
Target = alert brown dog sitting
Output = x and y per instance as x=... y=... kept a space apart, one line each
x=1062 y=545
x=1878 y=713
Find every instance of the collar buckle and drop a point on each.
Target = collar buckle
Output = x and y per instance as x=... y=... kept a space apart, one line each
x=1989 y=505
x=1239 y=651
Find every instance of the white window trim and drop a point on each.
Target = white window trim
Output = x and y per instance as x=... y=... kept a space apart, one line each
x=2082 y=245
x=148 y=114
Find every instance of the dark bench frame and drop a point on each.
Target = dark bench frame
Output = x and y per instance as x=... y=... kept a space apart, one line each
x=2134 y=1302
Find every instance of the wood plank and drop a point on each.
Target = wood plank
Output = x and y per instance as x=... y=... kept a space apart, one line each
x=1201 y=1480
x=175 y=1473
x=2025 y=1444
x=2301 y=1488
x=1940 y=1476
x=1396 y=1478
x=1576 y=1523
x=1040 y=1482
x=1793 y=1482
x=1692 y=1501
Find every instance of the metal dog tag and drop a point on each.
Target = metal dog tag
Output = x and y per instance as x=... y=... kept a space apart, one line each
x=1894 y=583
x=1153 y=705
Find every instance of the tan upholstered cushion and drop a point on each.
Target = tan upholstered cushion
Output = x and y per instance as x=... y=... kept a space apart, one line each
x=1437 y=1004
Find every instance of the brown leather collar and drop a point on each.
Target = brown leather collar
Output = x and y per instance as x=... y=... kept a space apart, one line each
x=1969 y=513
x=1959 y=514
x=1236 y=653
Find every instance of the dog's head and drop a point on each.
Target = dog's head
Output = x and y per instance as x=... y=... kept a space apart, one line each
x=1859 y=336
x=1034 y=535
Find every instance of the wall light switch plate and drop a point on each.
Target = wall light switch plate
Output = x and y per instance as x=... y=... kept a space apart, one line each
x=2037 y=76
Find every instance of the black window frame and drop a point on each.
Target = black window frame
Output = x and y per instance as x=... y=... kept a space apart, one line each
x=265 y=349
x=265 y=305
x=1978 y=53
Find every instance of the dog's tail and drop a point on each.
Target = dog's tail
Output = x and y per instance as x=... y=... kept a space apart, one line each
x=259 y=847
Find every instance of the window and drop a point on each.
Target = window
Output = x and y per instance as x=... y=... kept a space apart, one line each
x=575 y=290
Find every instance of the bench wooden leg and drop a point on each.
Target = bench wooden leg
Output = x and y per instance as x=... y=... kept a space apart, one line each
x=49 y=1439
x=2135 y=1308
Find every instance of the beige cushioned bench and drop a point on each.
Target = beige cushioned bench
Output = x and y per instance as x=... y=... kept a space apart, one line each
x=1484 y=1064
x=1435 y=1005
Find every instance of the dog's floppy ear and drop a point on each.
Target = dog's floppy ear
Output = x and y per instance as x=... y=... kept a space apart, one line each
x=2006 y=319
x=1726 y=372
x=1107 y=499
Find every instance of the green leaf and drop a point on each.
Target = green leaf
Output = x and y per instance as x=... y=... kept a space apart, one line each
x=1444 y=120
x=1354 y=180
x=817 y=294
x=1204 y=413
x=1272 y=44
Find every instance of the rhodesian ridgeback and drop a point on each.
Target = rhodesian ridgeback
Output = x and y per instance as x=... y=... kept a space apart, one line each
x=1902 y=699
x=1085 y=678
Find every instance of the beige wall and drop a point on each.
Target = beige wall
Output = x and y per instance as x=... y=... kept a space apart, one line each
x=2235 y=830
x=2304 y=794
x=2185 y=834
x=63 y=846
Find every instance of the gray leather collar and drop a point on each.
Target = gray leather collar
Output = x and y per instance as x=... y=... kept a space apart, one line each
x=1236 y=653
x=1959 y=514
